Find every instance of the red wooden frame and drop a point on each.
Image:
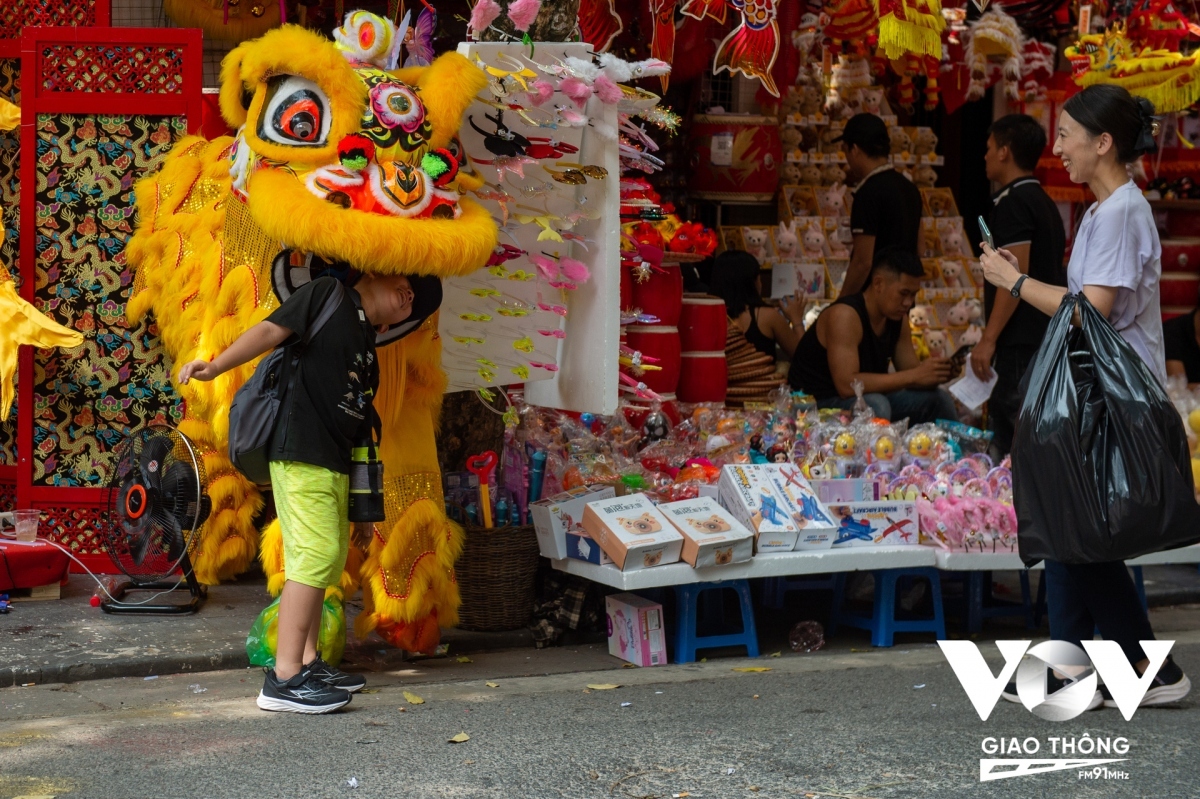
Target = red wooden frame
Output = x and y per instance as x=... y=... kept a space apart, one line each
x=40 y=96
x=68 y=13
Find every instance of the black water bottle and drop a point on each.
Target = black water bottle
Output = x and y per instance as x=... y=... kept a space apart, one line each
x=366 y=483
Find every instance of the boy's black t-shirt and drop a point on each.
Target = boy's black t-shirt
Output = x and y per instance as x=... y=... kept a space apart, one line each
x=1025 y=214
x=1179 y=340
x=338 y=379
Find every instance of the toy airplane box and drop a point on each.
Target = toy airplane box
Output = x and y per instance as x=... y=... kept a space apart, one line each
x=810 y=515
x=711 y=536
x=632 y=532
x=746 y=491
x=554 y=516
x=865 y=524
x=635 y=630
x=581 y=546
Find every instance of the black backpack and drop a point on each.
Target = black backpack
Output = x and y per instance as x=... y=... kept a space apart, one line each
x=257 y=404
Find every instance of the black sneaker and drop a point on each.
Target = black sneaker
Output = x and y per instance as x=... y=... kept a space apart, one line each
x=335 y=677
x=1168 y=686
x=1053 y=684
x=304 y=693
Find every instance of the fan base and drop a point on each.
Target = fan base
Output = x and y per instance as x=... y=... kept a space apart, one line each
x=198 y=595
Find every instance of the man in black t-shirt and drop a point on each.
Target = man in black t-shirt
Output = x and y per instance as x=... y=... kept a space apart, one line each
x=886 y=211
x=310 y=464
x=1026 y=222
x=1182 y=347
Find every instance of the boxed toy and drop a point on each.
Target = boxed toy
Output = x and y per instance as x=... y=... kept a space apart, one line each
x=635 y=630
x=554 y=516
x=876 y=523
x=711 y=536
x=745 y=491
x=847 y=490
x=812 y=518
x=632 y=532
x=581 y=546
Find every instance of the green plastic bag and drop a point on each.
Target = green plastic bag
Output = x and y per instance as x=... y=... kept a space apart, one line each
x=264 y=634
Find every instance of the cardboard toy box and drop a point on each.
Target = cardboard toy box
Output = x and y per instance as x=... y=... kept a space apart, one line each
x=581 y=546
x=632 y=532
x=745 y=490
x=816 y=525
x=554 y=516
x=711 y=536
x=635 y=630
x=865 y=524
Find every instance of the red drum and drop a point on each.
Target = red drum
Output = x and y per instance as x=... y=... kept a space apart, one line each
x=626 y=288
x=661 y=295
x=661 y=342
x=1178 y=288
x=735 y=157
x=702 y=324
x=1181 y=255
x=702 y=377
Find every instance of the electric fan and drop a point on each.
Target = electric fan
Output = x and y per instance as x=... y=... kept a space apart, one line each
x=155 y=506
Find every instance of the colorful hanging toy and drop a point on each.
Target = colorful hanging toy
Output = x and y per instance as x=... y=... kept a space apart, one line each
x=1169 y=80
x=751 y=47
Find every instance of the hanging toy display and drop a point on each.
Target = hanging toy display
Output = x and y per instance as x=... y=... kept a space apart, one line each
x=1170 y=81
x=910 y=26
x=995 y=39
x=752 y=47
x=1159 y=25
x=850 y=23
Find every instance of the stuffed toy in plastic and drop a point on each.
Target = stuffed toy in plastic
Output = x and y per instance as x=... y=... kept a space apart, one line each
x=342 y=164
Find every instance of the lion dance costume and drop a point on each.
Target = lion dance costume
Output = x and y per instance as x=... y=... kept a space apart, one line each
x=342 y=164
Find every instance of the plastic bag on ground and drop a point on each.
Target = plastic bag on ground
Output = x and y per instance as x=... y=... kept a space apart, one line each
x=1101 y=469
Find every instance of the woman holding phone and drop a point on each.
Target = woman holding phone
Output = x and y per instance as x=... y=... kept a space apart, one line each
x=1115 y=264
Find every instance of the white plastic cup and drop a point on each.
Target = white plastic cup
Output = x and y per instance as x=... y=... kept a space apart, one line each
x=25 y=523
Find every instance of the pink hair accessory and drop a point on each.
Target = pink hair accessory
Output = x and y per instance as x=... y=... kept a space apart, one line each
x=483 y=15
x=556 y=333
x=574 y=270
x=523 y=13
x=577 y=89
x=608 y=92
x=561 y=310
x=546 y=266
x=540 y=92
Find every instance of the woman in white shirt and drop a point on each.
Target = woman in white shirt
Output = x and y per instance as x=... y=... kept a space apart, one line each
x=1115 y=264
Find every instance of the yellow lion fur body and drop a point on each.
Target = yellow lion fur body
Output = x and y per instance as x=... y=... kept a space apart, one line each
x=198 y=274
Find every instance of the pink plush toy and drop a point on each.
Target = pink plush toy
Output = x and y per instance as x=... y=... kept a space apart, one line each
x=833 y=200
x=952 y=243
x=815 y=244
x=786 y=240
x=952 y=274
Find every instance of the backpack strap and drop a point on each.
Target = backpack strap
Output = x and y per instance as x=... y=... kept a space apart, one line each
x=328 y=308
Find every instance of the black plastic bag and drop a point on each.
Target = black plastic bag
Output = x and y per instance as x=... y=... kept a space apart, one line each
x=1101 y=468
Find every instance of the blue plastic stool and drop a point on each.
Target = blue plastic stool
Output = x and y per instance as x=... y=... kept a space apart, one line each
x=776 y=588
x=883 y=624
x=687 y=639
x=977 y=587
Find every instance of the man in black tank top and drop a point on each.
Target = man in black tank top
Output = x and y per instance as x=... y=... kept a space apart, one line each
x=857 y=337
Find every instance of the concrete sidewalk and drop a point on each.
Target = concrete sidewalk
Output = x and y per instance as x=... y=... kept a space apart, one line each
x=68 y=640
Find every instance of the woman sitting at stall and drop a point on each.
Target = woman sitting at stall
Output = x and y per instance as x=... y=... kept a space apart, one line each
x=737 y=279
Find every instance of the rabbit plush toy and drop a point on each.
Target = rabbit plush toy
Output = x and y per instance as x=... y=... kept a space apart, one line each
x=815 y=244
x=786 y=240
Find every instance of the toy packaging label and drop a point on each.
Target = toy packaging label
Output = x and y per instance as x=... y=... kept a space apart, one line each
x=554 y=516
x=711 y=536
x=864 y=524
x=816 y=525
x=580 y=546
x=632 y=532
x=745 y=490
x=847 y=490
x=635 y=630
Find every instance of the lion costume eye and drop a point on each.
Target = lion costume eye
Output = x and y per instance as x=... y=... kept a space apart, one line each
x=296 y=113
x=397 y=106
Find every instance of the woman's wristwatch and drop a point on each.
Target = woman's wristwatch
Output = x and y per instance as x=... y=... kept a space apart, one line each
x=1016 y=289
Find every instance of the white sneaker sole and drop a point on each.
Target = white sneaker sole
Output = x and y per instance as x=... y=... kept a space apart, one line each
x=1097 y=700
x=1163 y=695
x=284 y=706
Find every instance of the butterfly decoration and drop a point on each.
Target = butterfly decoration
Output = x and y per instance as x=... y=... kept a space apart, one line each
x=418 y=40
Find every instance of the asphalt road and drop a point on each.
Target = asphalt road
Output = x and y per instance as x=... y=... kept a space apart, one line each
x=850 y=724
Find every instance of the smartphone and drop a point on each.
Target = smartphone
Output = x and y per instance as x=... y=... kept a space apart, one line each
x=987 y=234
x=959 y=358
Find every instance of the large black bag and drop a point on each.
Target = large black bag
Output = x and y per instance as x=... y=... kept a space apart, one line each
x=256 y=404
x=1101 y=469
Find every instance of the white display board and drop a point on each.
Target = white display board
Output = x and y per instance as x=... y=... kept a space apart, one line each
x=484 y=344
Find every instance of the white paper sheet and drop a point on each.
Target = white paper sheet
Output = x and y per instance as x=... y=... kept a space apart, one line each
x=971 y=391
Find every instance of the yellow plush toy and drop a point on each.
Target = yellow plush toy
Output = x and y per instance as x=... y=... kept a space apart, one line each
x=341 y=162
